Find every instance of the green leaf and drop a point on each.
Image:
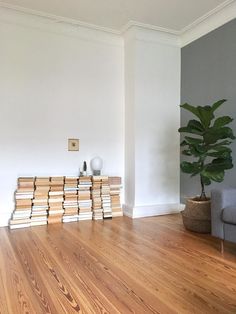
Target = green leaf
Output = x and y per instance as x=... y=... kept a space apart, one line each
x=186 y=152
x=190 y=108
x=194 y=124
x=226 y=132
x=194 y=127
x=183 y=143
x=222 y=121
x=201 y=148
x=218 y=104
x=219 y=145
x=219 y=148
x=219 y=164
x=217 y=176
x=186 y=129
x=219 y=154
x=193 y=140
x=205 y=115
x=214 y=134
x=220 y=151
x=189 y=167
x=224 y=163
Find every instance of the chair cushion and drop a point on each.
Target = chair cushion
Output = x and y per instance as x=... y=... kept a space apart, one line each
x=229 y=215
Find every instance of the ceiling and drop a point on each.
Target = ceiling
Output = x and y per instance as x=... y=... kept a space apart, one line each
x=174 y=15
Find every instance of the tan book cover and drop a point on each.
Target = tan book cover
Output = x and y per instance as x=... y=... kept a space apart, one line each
x=57 y=187
x=59 y=178
x=26 y=179
x=54 y=219
x=56 y=207
x=21 y=202
x=19 y=221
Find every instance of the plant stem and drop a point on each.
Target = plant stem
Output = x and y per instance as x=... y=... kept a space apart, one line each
x=203 y=193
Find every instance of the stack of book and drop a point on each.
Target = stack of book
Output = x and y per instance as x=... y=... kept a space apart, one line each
x=55 y=200
x=70 y=199
x=106 y=198
x=40 y=202
x=23 y=200
x=96 y=197
x=43 y=200
x=115 y=186
x=84 y=198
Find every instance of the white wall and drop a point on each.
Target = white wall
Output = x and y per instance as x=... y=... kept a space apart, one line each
x=129 y=141
x=154 y=106
x=57 y=82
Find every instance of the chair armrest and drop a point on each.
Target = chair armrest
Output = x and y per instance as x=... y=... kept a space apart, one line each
x=219 y=200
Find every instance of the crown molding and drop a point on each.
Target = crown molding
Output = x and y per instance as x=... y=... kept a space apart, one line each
x=148 y=27
x=57 y=26
x=217 y=17
x=207 y=15
x=152 y=36
x=61 y=19
x=58 y=19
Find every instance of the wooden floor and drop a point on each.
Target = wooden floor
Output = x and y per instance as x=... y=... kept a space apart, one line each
x=149 y=265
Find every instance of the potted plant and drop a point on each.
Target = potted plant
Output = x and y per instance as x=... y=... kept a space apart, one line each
x=206 y=144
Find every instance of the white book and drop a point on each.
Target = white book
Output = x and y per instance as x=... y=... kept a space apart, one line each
x=19 y=226
x=39 y=213
x=22 y=212
x=54 y=212
x=40 y=206
x=24 y=197
x=15 y=216
x=70 y=220
x=38 y=223
x=56 y=193
x=56 y=200
x=87 y=213
x=40 y=218
x=84 y=218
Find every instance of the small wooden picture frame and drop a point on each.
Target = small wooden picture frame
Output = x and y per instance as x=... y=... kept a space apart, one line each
x=73 y=144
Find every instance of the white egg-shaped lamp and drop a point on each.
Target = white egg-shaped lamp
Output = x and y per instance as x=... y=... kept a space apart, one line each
x=96 y=165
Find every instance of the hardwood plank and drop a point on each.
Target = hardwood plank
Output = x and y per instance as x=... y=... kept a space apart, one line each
x=150 y=265
x=15 y=292
x=47 y=282
x=168 y=284
x=92 y=268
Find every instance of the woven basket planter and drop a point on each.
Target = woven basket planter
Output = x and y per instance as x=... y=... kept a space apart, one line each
x=197 y=215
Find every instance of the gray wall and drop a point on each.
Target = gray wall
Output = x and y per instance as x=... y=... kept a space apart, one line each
x=209 y=74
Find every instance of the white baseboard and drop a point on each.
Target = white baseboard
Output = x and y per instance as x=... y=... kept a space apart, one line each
x=4 y=219
x=152 y=210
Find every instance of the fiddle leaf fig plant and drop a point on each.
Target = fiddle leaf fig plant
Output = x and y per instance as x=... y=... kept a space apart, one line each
x=206 y=142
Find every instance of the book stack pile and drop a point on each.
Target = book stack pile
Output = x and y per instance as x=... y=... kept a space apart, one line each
x=84 y=198
x=106 y=198
x=43 y=200
x=71 y=199
x=115 y=186
x=96 y=197
x=40 y=202
x=23 y=200
x=55 y=200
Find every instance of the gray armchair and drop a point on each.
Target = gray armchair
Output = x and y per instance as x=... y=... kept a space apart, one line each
x=223 y=215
